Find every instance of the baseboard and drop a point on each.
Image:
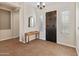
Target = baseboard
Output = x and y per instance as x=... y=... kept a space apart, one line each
x=66 y=44
x=8 y=38
x=77 y=49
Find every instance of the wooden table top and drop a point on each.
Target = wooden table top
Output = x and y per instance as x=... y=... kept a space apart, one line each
x=32 y=33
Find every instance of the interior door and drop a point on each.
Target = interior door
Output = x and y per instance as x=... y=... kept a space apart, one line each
x=51 y=26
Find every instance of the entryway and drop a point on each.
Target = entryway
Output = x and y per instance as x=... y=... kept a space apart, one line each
x=51 y=26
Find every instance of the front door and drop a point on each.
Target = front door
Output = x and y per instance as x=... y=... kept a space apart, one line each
x=51 y=26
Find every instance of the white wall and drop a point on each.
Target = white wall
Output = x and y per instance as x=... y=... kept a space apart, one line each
x=15 y=24
x=26 y=11
x=21 y=22
x=29 y=10
x=69 y=39
x=5 y=34
x=42 y=22
x=77 y=27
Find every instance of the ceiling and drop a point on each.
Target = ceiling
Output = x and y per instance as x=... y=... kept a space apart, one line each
x=34 y=4
x=8 y=5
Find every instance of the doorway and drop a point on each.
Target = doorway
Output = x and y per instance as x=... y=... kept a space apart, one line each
x=51 y=18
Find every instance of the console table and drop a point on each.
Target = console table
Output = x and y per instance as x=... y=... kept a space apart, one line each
x=36 y=33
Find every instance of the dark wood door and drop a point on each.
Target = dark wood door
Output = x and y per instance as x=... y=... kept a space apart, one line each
x=51 y=26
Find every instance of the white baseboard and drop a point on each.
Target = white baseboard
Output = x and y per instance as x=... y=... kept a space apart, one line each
x=77 y=49
x=8 y=38
x=66 y=44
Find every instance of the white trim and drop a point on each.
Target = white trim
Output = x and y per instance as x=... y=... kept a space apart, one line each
x=8 y=38
x=3 y=8
x=66 y=44
x=57 y=12
x=56 y=23
x=77 y=49
x=13 y=6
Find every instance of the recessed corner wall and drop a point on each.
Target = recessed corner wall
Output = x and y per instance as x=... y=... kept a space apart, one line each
x=13 y=32
x=60 y=7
